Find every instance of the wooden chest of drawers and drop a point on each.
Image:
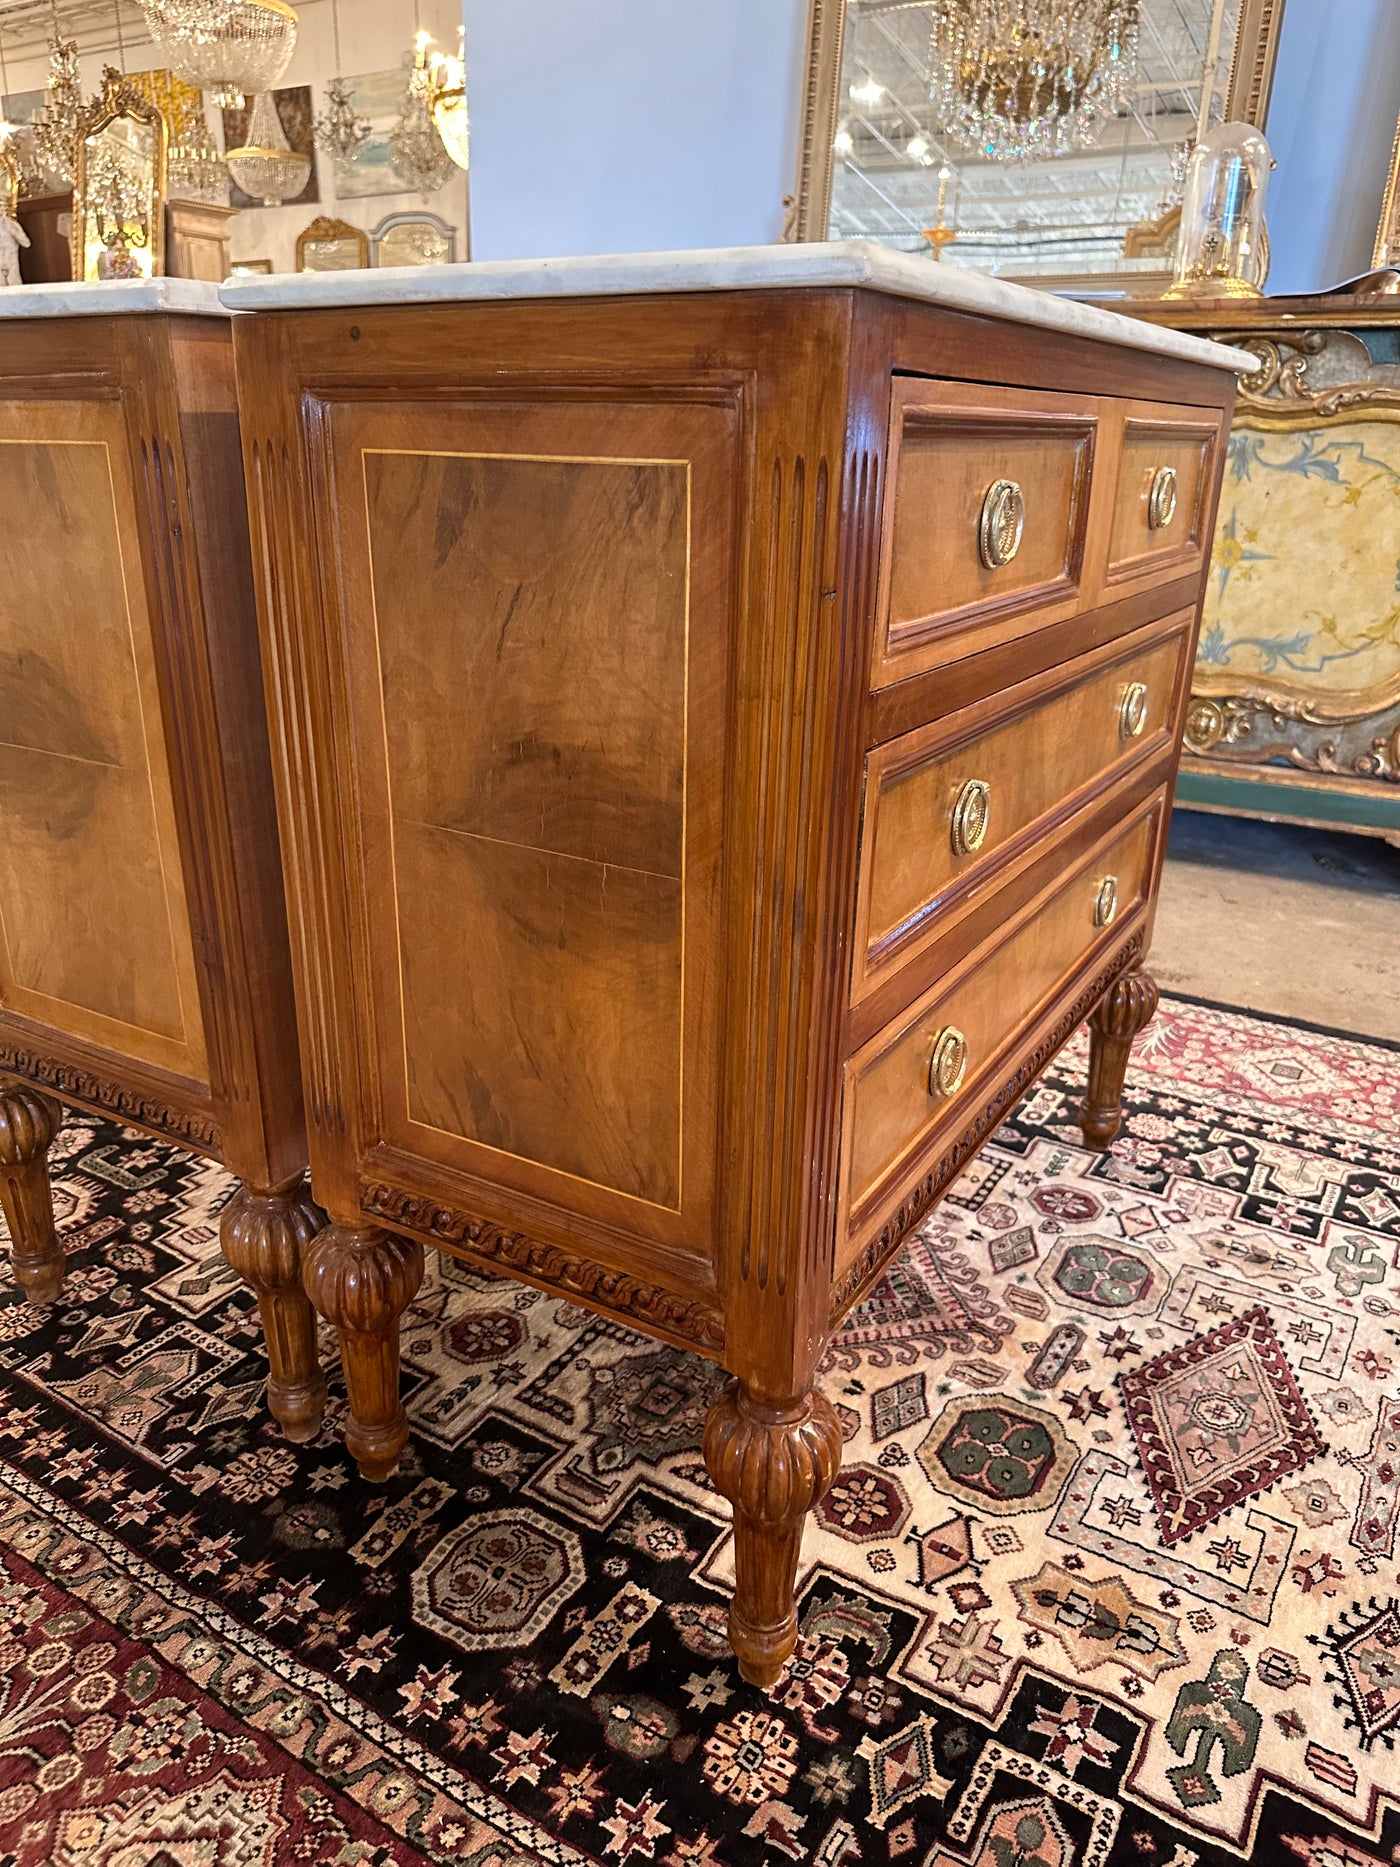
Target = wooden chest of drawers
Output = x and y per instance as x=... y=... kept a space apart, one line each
x=724 y=742
x=144 y=968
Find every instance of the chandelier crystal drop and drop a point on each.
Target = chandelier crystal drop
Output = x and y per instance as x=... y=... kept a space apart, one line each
x=266 y=167
x=54 y=139
x=230 y=48
x=1015 y=80
x=415 y=148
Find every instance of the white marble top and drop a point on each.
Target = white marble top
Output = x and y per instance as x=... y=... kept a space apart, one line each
x=68 y=299
x=722 y=269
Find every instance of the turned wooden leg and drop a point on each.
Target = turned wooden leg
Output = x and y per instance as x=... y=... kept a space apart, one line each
x=1115 y=1021
x=773 y=1463
x=265 y=1238
x=29 y=1121
x=362 y=1281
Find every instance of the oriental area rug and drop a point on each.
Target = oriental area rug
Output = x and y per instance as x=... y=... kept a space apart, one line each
x=1109 y=1574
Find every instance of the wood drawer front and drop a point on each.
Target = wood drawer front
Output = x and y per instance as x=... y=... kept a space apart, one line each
x=890 y=1115
x=1155 y=443
x=950 y=444
x=1039 y=755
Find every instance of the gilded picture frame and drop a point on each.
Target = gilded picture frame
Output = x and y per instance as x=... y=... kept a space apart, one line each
x=9 y=183
x=1387 y=248
x=1251 y=79
x=120 y=100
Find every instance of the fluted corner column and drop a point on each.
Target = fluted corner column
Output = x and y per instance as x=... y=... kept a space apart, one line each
x=773 y=1463
x=1125 y=1009
x=265 y=1237
x=29 y=1120
x=362 y=1281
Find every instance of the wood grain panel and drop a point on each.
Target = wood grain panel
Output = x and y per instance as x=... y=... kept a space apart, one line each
x=1153 y=437
x=891 y=1117
x=1041 y=748
x=96 y=932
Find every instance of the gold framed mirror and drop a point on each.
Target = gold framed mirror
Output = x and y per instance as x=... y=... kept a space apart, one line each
x=9 y=181
x=331 y=245
x=119 y=185
x=882 y=158
x=414 y=239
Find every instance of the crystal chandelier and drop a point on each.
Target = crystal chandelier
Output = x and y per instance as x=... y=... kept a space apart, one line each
x=229 y=48
x=447 y=99
x=1015 y=79
x=266 y=167
x=417 y=151
x=54 y=140
x=195 y=166
x=340 y=129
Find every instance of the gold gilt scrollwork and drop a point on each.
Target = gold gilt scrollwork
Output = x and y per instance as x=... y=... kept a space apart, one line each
x=1279 y=389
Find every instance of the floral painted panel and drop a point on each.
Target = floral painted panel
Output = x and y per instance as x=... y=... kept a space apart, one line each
x=1304 y=590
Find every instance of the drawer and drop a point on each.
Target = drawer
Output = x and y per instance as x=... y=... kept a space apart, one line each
x=986 y=509
x=1165 y=473
x=949 y=806
x=917 y=1081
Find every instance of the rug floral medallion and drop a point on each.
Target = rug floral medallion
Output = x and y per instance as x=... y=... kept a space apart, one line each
x=1109 y=1574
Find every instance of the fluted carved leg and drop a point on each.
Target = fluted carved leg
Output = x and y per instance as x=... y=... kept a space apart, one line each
x=1125 y=1008
x=362 y=1281
x=265 y=1237
x=29 y=1121
x=773 y=1463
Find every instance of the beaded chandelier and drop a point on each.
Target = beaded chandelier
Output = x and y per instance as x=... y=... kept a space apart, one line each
x=415 y=147
x=340 y=129
x=1018 y=79
x=195 y=165
x=229 y=48
x=54 y=139
x=266 y=167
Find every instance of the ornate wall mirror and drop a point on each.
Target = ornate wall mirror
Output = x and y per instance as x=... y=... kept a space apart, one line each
x=119 y=185
x=9 y=182
x=330 y=245
x=913 y=120
x=413 y=240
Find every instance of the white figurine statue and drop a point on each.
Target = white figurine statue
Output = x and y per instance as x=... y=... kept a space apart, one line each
x=12 y=238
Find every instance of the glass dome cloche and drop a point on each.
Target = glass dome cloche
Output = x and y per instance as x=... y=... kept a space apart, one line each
x=1223 y=250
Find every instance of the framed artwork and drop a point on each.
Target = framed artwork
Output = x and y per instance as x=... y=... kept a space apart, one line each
x=295 y=113
x=244 y=267
x=378 y=96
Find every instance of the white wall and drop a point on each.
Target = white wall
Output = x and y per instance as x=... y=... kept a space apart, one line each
x=1331 y=124
x=630 y=125
x=374 y=36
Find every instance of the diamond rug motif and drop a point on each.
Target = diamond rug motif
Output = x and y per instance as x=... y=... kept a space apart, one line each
x=1109 y=1578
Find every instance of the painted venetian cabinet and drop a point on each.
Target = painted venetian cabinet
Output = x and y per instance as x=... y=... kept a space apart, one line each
x=724 y=740
x=144 y=966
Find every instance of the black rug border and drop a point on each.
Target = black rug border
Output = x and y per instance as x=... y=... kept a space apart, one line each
x=1390 y=1044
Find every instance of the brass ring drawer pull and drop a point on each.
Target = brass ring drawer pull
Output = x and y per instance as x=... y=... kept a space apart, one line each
x=971 y=815
x=1161 y=500
x=1106 y=902
x=1002 y=522
x=948 y=1066
x=1132 y=710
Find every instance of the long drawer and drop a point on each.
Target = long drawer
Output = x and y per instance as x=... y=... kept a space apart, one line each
x=1008 y=509
x=947 y=807
x=916 y=1083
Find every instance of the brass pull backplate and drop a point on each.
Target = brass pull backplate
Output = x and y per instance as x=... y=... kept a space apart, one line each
x=1002 y=522
x=1132 y=710
x=971 y=815
x=1106 y=902
x=1161 y=500
x=949 y=1063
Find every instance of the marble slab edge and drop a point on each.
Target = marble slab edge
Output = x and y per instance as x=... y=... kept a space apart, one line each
x=72 y=299
x=723 y=269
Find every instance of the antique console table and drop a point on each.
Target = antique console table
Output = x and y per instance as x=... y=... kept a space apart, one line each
x=725 y=709
x=144 y=970
x=1295 y=710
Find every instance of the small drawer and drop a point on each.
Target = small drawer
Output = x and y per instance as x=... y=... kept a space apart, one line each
x=950 y=805
x=918 y=1080
x=985 y=516
x=1165 y=472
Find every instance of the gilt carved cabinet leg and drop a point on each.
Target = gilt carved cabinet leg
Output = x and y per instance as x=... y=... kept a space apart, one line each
x=773 y=1463
x=28 y=1123
x=1124 y=1010
x=362 y=1281
x=265 y=1237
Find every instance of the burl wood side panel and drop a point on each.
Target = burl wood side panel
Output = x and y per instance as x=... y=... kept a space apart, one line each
x=96 y=932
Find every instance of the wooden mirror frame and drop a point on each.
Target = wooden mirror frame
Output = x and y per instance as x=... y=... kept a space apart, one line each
x=326 y=227
x=120 y=98
x=1246 y=101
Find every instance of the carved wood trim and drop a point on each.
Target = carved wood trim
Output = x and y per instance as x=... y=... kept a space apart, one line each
x=111 y=1098
x=955 y=1157
x=511 y=1252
